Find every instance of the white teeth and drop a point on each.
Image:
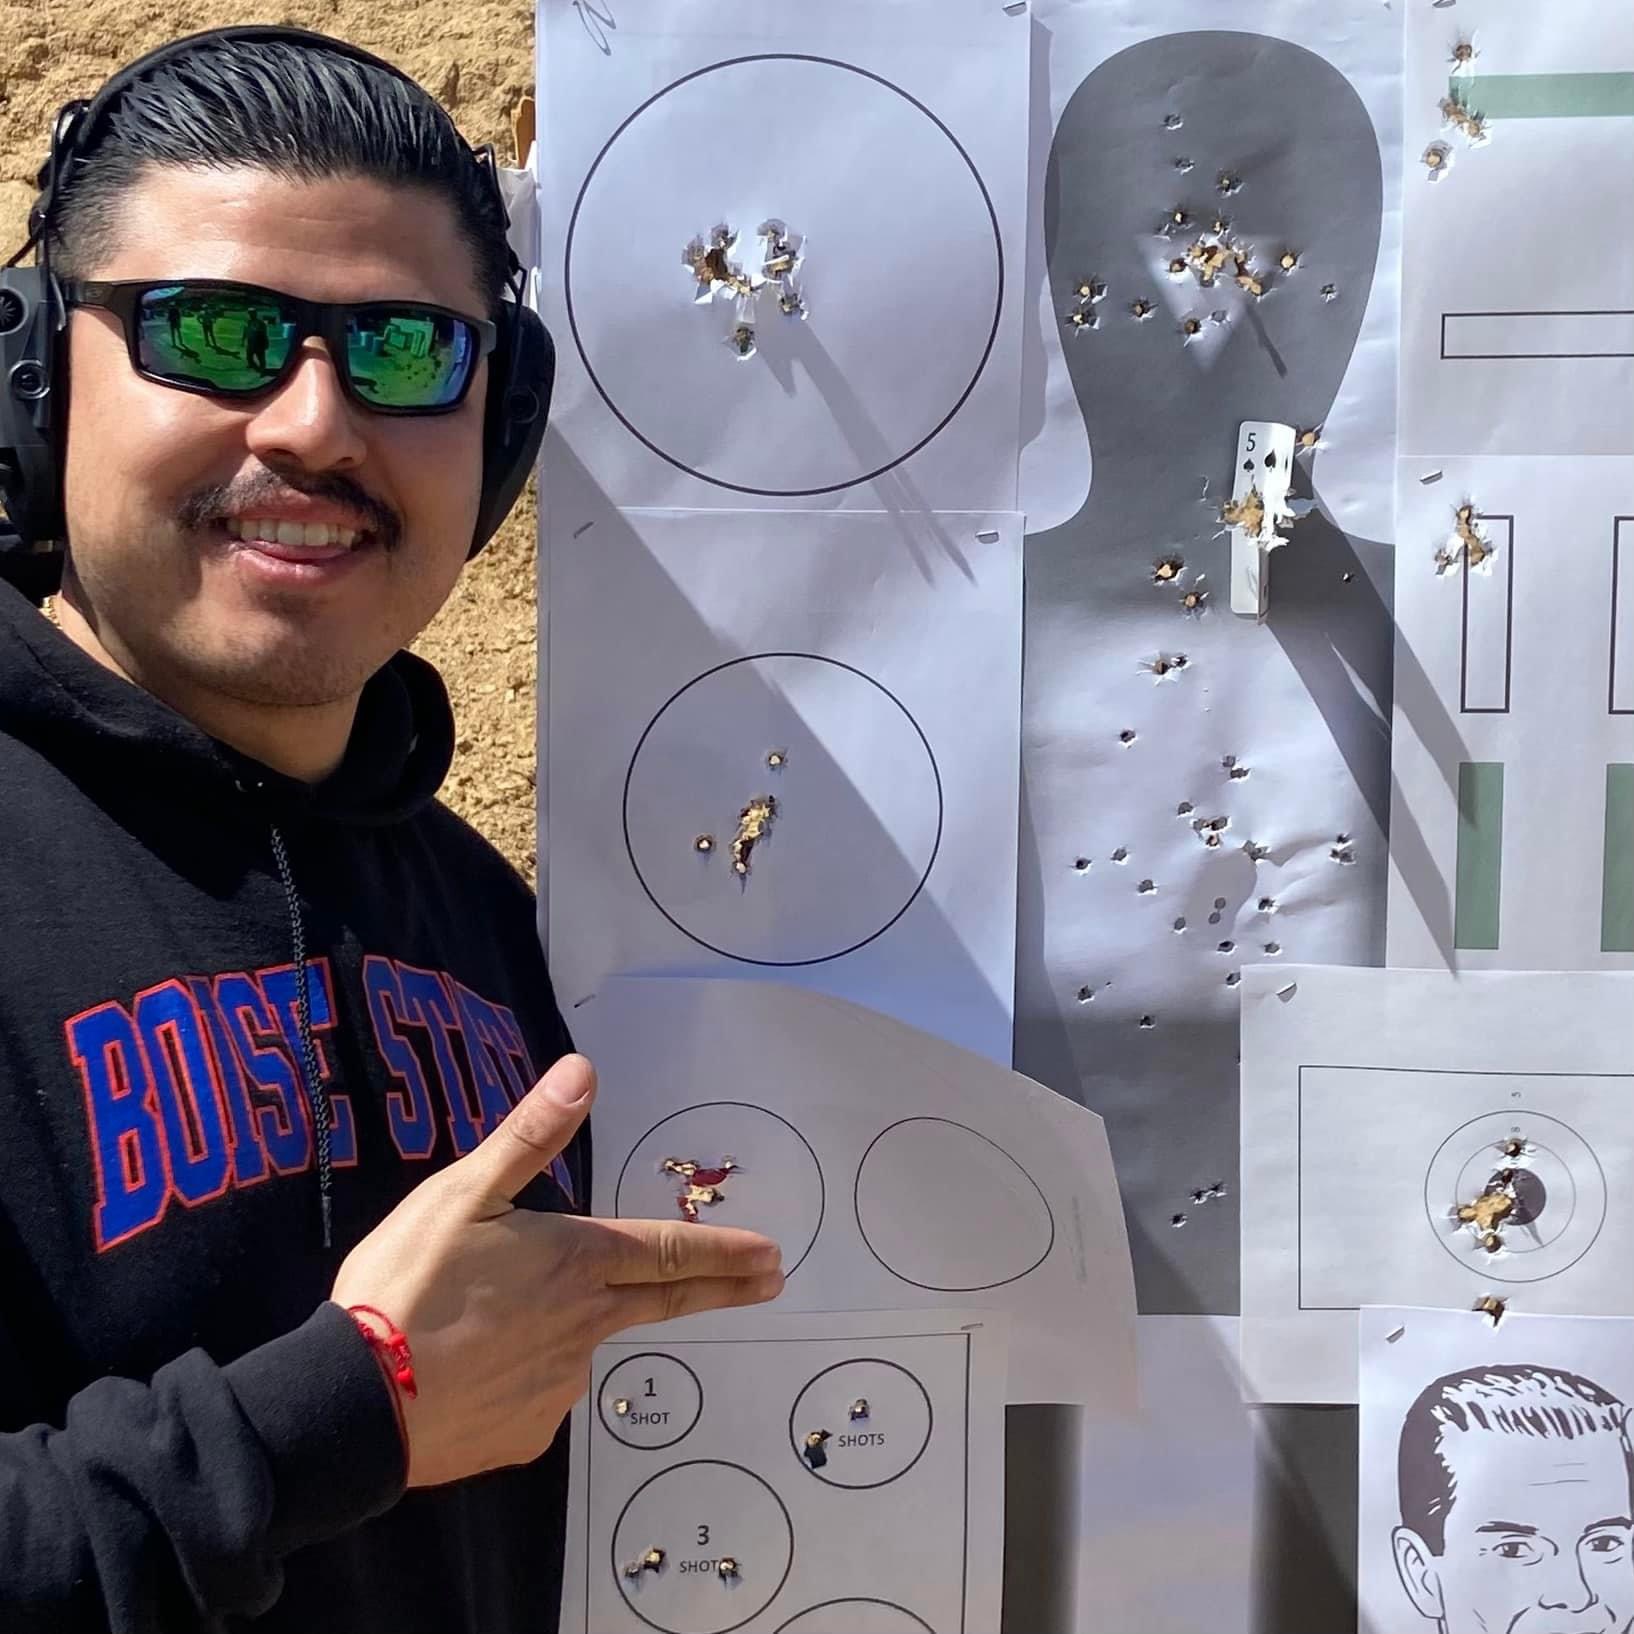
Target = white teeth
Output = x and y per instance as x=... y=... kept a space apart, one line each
x=308 y=535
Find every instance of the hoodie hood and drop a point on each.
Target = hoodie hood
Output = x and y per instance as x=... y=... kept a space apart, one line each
x=85 y=718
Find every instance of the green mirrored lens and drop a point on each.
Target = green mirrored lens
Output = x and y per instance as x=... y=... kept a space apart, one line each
x=232 y=341
x=409 y=358
x=222 y=339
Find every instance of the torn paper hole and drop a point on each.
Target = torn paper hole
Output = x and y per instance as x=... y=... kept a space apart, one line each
x=1437 y=160
x=652 y=1561
x=1167 y=570
x=859 y=1410
x=1288 y=260
x=726 y=1568
x=1194 y=600
x=701 y=1187
x=754 y=824
x=1165 y=666
x=1140 y=310
x=704 y=844
x=1172 y=121
x=815 y=1448
x=1465 y=120
x=1491 y=1305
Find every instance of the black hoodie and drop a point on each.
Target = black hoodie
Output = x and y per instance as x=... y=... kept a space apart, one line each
x=191 y=1435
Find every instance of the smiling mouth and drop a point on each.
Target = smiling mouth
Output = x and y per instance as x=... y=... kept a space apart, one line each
x=287 y=541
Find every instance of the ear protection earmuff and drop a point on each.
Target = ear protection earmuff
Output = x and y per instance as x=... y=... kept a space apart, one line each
x=34 y=351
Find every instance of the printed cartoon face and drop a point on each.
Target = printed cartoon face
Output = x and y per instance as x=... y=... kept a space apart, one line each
x=1536 y=1536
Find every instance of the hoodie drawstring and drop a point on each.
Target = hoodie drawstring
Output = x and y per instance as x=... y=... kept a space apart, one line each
x=317 y=1092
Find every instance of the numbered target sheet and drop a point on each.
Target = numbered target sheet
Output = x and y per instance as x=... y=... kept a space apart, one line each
x=1418 y=1137
x=781 y=1473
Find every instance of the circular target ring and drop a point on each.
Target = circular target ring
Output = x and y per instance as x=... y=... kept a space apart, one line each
x=612 y=277
x=1557 y=1182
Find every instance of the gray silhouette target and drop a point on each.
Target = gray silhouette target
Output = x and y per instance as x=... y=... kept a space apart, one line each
x=827 y=402
x=858 y=820
x=1560 y=1189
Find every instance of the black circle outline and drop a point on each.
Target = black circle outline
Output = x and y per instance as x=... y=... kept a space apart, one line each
x=1486 y=1272
x=854 y=1600
x=864 y=1486
x=643 y=1446
x=1571 y=1180
x=936 y=844
x=822 y=1179
x=694 y=1463
x=936 y=1287
x=573 y=323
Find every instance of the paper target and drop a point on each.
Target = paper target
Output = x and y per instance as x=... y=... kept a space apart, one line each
x=685 y=1521
x=856 y=1617
x=650 y=1401
x=775 y=1186
x=1559 y=1188
x=927 y=1193
x=828 y=401
x=861 y=1424
x=851 y=838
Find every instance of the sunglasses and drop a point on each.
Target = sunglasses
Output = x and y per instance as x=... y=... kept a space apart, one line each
x=239 y=340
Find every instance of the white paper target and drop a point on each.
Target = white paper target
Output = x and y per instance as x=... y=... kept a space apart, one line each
x=696 y=1513
x=928 y=1194
x=777 y=1187
x=874 y=1449
x=858 y=798
x=1559 y=1186
x=650 y=1400
x=908 y=268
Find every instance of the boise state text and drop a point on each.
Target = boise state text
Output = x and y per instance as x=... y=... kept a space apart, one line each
x=191 y=1089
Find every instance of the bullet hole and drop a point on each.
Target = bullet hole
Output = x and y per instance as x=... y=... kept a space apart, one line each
x=1172 y=121
x=777 y=759
x=1140 y=310
x=1347 y=578
x=1330 y=292
x=1183 y=165
x=1146 y=887
x=815 y=1448
x=726 y=1569
x=1288 y=260
x=1342 y=850
x=1121 y=854
x=652 y=1561
x=1085 y=994
x=1090 y=289
x=1490 y=1305
x=1226 y=947
x=1228 y=764
x=700 y=1187
x=1147 y=1023
x=742 y=340
x=754 y=824
x=1208 y=1194
x=1077 y=319
x=1167 y=569
x=1127 y=736
x=1310 y=437
x=1195 y=600
x=1235 y=977
x=1081 y=864
x=1437 y=160
x=704 y=844
x=1475 y=548
x=1179 y=217
x=1268 y=904
x=1184 y=809
x=1256 y=852
x=1219 y=903
x=1272 y=949
x=1463 y=53
x=1191 y=328
x=1227 y=183
x=1514 y=1146
x=1210 y=830
x=1178 y=927
x=1165 y=666
x=1177 y=267
x=858 y=1412
x=1462 y=118
x=1214 y=918
x=621 y=1408
x=1177 y=1221
x=1246 y=279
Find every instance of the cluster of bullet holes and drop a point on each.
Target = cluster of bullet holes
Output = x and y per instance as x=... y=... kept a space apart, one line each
x=1200 y=1196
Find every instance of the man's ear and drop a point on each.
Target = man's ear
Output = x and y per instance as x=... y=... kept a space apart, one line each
x=1416 y=1567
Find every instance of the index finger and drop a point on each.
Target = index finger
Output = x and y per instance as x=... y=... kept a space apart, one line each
x=642 y=1251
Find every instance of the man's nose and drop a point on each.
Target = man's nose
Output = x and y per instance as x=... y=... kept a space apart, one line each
x=309 y=421
x=1566 y=1588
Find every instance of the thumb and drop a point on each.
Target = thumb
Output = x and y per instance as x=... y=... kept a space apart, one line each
x=534 y=1132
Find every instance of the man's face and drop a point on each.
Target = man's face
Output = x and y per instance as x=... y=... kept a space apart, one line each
x=1537 y=1539
x=185 y=609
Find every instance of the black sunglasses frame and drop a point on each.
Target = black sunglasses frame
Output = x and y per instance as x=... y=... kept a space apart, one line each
x=324 y=319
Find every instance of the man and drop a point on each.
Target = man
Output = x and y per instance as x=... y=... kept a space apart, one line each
x=255 y=343
x=296 y=1289
x=1516 y=1506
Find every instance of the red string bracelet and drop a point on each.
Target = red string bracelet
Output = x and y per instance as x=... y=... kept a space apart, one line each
x=392 y=1348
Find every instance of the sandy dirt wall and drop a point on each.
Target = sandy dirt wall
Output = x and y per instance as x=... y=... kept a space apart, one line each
x=477 y=55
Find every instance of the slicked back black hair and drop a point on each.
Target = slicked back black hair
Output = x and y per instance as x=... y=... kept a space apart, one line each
x=295 y=110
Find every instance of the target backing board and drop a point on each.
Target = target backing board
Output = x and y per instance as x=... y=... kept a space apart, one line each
x=867 y=355
x=780 y=1474
x=785 y=745
x=1421 y=1138
x=896 y=1171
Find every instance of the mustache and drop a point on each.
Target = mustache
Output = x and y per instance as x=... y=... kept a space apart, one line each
x=221 y=500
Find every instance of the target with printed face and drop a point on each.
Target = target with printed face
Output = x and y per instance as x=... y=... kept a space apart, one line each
x=1557 y=1184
